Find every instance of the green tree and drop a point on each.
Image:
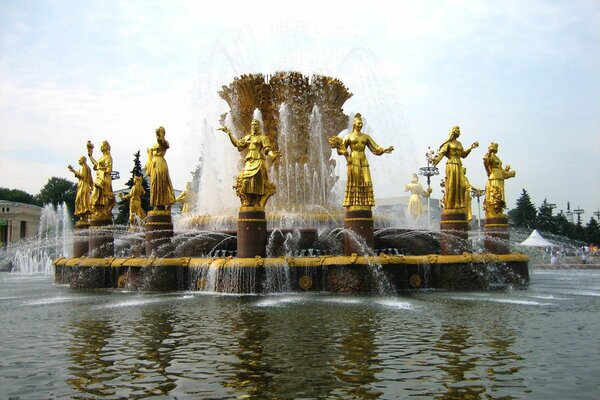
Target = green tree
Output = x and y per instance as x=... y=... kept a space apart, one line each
x=18 y=196
x=524 y=214
x=123 y=214
x=592 y=232
x=545 y=221
x=57 y=191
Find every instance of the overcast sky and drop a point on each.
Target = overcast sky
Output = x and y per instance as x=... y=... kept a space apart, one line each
x=525 y=74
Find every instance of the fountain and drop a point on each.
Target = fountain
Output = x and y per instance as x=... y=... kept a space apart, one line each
x=290 y=232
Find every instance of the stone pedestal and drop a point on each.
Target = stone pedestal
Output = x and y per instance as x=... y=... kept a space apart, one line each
x=360 y=222
x=81 y=241
x=251 y=233
x=101 y=242
x=159 y=232
x=454 y=232
x=497 y=237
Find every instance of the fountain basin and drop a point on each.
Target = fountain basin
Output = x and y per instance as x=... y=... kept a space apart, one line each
x=340 y=274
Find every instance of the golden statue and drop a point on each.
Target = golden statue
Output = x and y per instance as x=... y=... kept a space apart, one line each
x=136 y=212
x=454 y=193
x=83 y=205
x=495 y=200
x=415 y=204
x=103 y=198
x=359 y=187
x=187 y=198
x=161 y=188
x=252 y=184
x=468 y=188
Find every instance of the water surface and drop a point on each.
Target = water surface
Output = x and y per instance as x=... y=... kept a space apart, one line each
x=538 y=343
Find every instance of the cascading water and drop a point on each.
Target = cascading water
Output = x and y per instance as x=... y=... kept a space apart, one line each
x=53 y=240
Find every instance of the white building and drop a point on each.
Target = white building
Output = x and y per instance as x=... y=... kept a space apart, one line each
x=18 y=221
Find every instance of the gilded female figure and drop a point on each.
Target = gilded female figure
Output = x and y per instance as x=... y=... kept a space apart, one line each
x=415 y=204
x=103 y=198
x=359 y=187
x=136 y=212
x=161 y=188
x=187 y=198
x=495 y=200
x=252 y=184
x=83 y=206
x=455 y=183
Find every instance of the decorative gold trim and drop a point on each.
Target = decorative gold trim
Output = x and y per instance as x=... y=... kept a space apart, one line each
x=415 y=280
x=252 y=220
x=249 y=209
x=359 y=208
x=302 y=262
x=454 y=211
x=358 y=219
x=159 y=212
x=496 y=225
x=157 y=223
x=305 y=282
x=454 y=221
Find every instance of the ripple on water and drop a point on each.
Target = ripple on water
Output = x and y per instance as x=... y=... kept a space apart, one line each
x=501 y=300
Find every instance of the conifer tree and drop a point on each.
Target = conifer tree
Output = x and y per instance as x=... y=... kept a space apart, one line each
x=123 y=215
x=545 y=220
x=524 y=214
x=592 y=232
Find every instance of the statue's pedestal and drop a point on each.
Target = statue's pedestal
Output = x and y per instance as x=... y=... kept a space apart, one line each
x=81 y=241
x=497 y=236
x=251 y=233
x=101 y=242
x=359 y=231
x=454 y=232
x=159 y=232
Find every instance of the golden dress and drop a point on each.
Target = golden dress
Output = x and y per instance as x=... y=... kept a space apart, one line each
x=161 y=188
x=102 y=194
x=253 y=178
x=415 y=204
x=359 y=187
x=83 y=204
x=455 y=178
x=494 y=188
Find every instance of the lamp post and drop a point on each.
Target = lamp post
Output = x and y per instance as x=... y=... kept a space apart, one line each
x=478 y=193
x=428 y=172
x=578 y=212
x=568 y=213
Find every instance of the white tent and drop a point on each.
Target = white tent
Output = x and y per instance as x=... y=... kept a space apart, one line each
x=536 y=240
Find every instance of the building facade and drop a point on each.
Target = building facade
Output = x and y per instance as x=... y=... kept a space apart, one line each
x=18 y=221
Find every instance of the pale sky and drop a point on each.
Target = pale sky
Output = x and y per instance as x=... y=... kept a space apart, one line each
x=525 y=74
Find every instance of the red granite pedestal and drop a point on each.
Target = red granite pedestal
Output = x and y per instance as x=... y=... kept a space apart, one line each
x=497 y=237
x=251 y=233
x=454 y=233
x=81 y=241
x=159 y=232
x=101 y=241
x=360 y=223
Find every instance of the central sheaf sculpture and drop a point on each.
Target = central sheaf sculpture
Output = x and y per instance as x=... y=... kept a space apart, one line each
x=358 y=197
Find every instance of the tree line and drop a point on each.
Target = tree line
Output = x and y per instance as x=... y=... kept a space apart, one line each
x=527 y=215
